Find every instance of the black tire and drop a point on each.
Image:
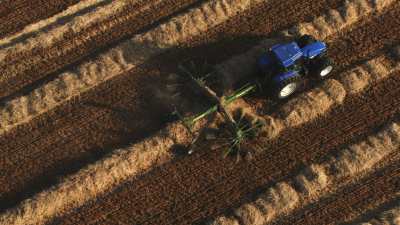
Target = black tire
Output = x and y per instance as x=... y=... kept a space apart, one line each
x=305 y=40
x=287 y=87
x=322 y=67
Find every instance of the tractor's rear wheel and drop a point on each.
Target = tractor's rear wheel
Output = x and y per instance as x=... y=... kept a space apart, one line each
x=287 y=90
x=287 y=87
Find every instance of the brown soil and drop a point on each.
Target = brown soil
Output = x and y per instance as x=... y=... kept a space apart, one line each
x=125 y=109
x=204 y=185
x=76 y=47
x=114 y=114
x=352 y=201
x=16 y=14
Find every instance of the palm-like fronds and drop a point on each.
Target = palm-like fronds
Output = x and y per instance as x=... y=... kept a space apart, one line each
x=243 y=131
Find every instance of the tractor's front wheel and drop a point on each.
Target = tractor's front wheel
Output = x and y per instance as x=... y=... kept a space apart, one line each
x=323 y=67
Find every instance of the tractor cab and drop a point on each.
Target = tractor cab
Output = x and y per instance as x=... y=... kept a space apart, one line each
x=287 y=54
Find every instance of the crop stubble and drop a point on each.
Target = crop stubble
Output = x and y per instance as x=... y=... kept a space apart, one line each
x=28 y=63
x=78 y=136
x=318 y=179
x=229 y=183
x=15 y=14
x=354 y=200
x=215 y=14
x=187 y=181
x=372 y=75
x=389 y=215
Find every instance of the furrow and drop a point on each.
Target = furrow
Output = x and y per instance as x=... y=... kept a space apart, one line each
x=351 y=201
x=46 y=32
x=330 y=88
x=310 y=105
x=313 y=106
x=387 y=217
x=336 y=20
x=16 y=14
x=202 y=185
x=105 y=118
x=316 y=102
x=244 y=65
x=46 y=61
x=299 y=107
x=317 y=180
x=117 y=60
x=35 y=56
x=98 y=178
x=368 y=73
x=328 y=82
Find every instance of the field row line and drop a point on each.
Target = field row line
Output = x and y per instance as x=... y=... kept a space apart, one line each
x=35 y=56
x=324 y=26
x=56 y=209
x=37 y=29
x=386 y=217
x=118 y=60
x=103 y=17
x=318 y=101
x=107 y=173
x=303 y=108
x=317 y=179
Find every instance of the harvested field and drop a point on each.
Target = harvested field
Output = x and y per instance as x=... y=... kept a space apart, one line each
x=87 y=89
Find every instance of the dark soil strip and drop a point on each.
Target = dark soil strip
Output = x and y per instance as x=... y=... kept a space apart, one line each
x=354 y=200
x=356 y=42
x=118 y=112
x=16 y=14
x=75 y=47
x=204 y=185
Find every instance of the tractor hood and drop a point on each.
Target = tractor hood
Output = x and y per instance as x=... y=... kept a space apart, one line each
x=287 y=54
x=313 y=49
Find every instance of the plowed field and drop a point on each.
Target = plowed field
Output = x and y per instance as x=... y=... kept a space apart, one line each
x=87 y=89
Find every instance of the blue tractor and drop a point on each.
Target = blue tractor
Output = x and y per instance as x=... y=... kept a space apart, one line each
x=284 y=66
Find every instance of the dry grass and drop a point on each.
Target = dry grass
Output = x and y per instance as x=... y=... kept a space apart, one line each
x=117 y=60
x=312 y=181
x=224 y=221
x=98 y=178
x=46 y=37
x=34 y=29
x=318 y=179
x=388 y=217
x=277 y=200
x=366 y=154
x=391 y=217
x=369 y=73
x=312 y=104
x=336 y=20
x=137 y=159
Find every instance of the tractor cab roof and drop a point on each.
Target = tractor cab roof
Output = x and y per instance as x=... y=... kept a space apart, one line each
x=287 y=54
